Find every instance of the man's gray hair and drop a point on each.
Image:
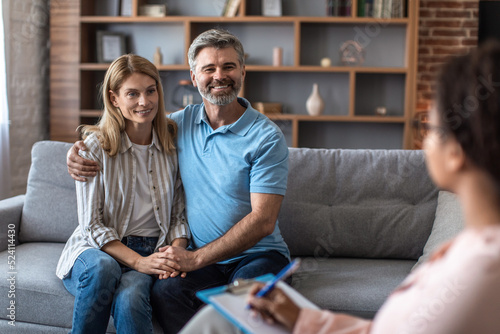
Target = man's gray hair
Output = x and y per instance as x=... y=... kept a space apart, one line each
x=215 y=38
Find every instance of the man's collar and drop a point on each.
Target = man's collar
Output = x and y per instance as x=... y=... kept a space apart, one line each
x=245 y=122
x=241 y=126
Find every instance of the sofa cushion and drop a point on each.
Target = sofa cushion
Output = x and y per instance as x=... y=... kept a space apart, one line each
x=354 y=286
x=50 y=211
x=38 y=291
x=448 y=223
x=28 y=328
x=10 y=214
x=357 y=203
x=42 y=302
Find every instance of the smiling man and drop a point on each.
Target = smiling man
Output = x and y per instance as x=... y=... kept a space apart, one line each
x=234 y=166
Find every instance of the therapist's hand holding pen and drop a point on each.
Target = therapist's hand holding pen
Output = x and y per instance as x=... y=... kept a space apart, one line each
x=275 y=306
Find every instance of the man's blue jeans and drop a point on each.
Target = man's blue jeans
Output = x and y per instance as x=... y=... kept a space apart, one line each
x=174 y=299
x=102 y=287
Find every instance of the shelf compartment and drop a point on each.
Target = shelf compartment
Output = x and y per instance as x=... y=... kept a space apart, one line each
x=314 y=8
x=310 y=8
x=293 y=89
x=131 y=19
x=174 y=8
x=194 y=7
x=259 y=50
x=384 y=45
x=172 y=47
x=380 y=90
x=104 y=67
x=290 y=125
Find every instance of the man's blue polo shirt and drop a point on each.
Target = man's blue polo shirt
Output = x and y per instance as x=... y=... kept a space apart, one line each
x=220 y=168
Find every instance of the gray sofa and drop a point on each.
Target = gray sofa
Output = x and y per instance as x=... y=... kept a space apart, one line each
x=360 y=219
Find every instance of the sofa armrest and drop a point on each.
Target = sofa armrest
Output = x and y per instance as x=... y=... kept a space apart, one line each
x=10 y=218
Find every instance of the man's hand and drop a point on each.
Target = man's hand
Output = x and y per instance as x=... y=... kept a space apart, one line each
x=187 y=260
x=78 y=167
x=179 y=242
x=156 y=264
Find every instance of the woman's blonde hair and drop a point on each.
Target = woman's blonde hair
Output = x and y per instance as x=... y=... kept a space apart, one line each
x=112 y=123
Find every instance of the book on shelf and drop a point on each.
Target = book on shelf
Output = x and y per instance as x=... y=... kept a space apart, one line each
x=126 y=7
x=231 y=8
x=398 y=8
x=338 y=7
x=224 y=8
x=332 y=8
x=271 y=8
x=365 y=8
x=382 y=8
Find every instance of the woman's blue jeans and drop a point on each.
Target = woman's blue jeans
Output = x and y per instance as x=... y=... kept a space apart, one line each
x=102 y=287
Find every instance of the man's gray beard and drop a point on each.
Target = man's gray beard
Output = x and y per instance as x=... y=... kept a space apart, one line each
x=221 y=100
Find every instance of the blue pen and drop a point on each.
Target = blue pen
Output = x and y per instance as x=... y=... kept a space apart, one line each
x=282 y=275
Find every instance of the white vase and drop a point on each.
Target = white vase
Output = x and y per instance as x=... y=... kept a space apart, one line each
x=315 y=103
x=157 y=57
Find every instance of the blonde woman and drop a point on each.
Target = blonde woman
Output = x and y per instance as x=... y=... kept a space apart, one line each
x=130 y=209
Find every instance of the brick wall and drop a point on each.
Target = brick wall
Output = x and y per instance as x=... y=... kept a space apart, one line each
x=446 y=27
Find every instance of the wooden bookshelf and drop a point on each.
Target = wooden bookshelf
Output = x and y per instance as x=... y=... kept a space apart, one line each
x=351 y=93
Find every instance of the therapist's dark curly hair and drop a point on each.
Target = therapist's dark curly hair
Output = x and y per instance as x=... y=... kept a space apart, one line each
x=468 y=103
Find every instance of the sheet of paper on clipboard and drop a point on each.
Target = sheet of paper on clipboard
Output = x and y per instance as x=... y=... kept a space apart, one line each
x=231 y=303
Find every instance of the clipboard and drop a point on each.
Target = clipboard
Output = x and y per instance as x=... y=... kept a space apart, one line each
x=231 y=301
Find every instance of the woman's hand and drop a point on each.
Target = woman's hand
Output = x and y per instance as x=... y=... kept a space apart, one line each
x=275 y=307
x=154 y=264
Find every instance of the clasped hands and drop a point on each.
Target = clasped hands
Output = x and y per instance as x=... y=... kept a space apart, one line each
x=176 y=261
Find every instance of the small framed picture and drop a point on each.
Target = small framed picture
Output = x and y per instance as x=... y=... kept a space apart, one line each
x=110 y=45
x=271 y=8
